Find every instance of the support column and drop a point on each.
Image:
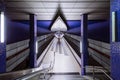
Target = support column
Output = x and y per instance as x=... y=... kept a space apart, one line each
x=33 y=39
x=2 y=44
x=84 y=44
x=115 y=39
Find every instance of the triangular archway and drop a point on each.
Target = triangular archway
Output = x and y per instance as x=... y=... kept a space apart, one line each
x=59 y=14
x=59 y=25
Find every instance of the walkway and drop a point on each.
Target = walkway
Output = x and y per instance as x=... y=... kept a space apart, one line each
x=64 y=59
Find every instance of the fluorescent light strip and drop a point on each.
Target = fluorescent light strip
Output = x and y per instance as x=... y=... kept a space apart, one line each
x=80 y=46
x=2 y=27
x=113 y=26
x=36 y=47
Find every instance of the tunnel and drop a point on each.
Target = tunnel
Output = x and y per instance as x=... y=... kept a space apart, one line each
x=59 y=40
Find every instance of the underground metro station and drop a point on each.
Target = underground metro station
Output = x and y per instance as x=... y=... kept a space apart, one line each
x=59 y=40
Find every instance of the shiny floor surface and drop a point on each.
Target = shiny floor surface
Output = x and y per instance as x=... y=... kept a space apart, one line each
x=60 y=53
x=67 y=77
x=62 y=57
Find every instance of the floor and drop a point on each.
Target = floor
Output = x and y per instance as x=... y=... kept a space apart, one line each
x=67 y=77
x=63 y=57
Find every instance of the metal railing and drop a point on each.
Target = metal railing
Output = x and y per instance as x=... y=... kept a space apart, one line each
x=101 y=69
x=35 y=75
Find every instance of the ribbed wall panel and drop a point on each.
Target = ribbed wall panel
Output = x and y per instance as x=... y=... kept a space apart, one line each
x=22 y=48
x=99 y=50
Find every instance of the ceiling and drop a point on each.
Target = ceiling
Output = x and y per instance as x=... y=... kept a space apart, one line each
x=46 y=9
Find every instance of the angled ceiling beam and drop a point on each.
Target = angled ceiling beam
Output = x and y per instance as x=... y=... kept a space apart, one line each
x=59 y=13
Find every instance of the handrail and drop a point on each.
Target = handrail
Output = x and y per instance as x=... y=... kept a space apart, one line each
x=51 y=65
x=106 y=74
x=101 y=69
x=28 y=76
x=45 y=71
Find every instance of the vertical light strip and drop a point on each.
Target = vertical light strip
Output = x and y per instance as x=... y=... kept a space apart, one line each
x=113 y=27
x=80 y=46
x=2 y=28
x=36 y=47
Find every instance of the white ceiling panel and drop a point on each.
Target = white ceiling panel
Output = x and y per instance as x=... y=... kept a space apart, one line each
x=46 y=9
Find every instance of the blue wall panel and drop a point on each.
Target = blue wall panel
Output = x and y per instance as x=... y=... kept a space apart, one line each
x=115 y=60
x=2 y=57
x=118 y=24
x=19 y=30
x=115 y=46
x=98 y=30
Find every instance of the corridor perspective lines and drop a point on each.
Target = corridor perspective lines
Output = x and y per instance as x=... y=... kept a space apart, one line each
x=64 y=59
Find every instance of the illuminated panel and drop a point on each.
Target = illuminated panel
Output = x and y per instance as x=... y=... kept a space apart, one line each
x=2 y=28
x=80 y=46
x=59 y=25
x=113 y=27
x=36 y=47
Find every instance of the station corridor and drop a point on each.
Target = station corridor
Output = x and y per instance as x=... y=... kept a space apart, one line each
x=63 y=57
x=59 y=40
